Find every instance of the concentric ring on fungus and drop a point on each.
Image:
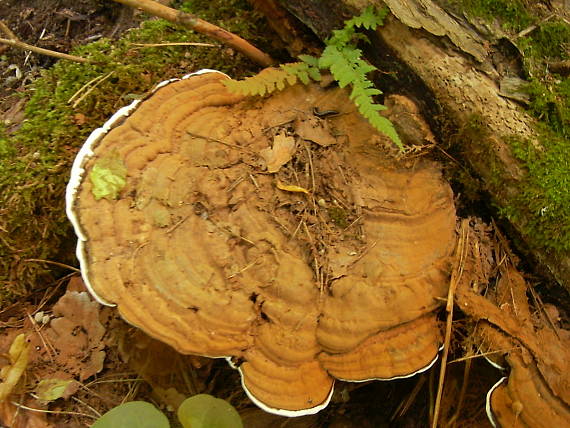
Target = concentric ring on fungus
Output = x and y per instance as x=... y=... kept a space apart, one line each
x=330 y=266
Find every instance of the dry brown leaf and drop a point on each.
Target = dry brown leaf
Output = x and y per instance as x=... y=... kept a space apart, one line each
x=282 y=151
x=315 y=130
x=12 y=416
x=77 y=334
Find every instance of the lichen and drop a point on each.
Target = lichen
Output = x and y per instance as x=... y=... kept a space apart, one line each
x=35 y=161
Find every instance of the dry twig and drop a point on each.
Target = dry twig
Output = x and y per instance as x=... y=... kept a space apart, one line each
x=13 y=41
x=190 y=21
x=455 y=278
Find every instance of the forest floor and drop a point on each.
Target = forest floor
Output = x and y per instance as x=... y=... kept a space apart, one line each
x=95 y=361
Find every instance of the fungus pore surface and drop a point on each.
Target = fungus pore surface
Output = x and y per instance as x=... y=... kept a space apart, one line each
x=255 y=229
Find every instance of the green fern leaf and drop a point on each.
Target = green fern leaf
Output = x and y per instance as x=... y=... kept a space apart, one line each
x=369 y=19
x=271 y=79
x=310 y=60
x=343 y=59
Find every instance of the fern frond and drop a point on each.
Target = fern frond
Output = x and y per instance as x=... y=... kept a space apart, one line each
x=272 y=79
x=348 y=68
x=343 y=59
x=369 y=19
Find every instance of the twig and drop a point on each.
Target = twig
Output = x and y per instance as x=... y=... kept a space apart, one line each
x=54 y=412
x=484 y=354
x=50 y=349
x=406 y=404
x=462 y=392
x=80 y=90
x=159 y=45
x=82 y=97
x=17 y=43
x=190 y=21
x=49 y=262
x=215 y=140
x=455 y=278
x=77 y=400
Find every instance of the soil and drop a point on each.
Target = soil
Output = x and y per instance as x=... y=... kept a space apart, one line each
x=57 y=25
x=103 y=361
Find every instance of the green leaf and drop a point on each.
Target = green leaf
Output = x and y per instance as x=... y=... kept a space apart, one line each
x=205 y=411
x=135 y=414
x=52 y=389
x=369 y=18
x=108 y=176
x=310 y=60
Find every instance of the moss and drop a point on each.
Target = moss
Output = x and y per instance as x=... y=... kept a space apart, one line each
x=338 y=216
x=548 y=40
x=543 y=205
x=35 y=161
x=512 y=14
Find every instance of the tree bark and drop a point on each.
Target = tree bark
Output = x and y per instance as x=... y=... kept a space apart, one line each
x=436 y=58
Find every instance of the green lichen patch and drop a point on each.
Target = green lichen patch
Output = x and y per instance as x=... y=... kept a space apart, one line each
x=68 y=102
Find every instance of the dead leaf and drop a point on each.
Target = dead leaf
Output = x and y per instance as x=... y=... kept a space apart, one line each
x=282 y=151
x=12 y=416
x=291 y=188
x=52 y=389
x=77 y=334
x=315 y=130
x=10 y=374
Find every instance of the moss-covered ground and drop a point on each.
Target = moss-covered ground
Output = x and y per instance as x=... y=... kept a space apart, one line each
x=67 y=103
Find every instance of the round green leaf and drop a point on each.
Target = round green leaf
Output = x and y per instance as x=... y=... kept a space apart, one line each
x=134 y=414
x=205 y=411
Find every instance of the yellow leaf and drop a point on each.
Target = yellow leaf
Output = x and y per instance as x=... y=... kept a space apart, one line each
x=19 y=352
x=291 y=188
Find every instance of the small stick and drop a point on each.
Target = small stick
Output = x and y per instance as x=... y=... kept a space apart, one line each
x=82 y=97
x=49 y=348
x=406 y=404
x=193 y=23
x=53 y=412
x=460 y=255
x=80 y=90
x=461 y=400
x=49 y=262
x=215 y=140
x=17 y=43
x=158 y=45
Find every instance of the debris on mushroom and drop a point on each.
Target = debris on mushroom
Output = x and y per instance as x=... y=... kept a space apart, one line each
x=532 y=353
x=219 y=228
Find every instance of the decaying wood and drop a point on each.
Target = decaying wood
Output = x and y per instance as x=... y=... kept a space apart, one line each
x=456 y=73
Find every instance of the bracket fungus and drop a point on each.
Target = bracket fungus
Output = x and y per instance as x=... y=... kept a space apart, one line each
x=217 y=229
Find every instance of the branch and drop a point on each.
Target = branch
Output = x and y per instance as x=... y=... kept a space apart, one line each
x=190 y=21
x=17 y=43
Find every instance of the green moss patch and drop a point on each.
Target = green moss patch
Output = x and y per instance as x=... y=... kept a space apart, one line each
x=512 y=14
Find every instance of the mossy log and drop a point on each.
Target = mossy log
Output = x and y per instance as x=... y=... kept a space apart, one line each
x=437 y=57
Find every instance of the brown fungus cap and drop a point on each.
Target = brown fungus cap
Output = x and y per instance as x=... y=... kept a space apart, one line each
x=217 y=228
x=525 y=399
